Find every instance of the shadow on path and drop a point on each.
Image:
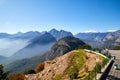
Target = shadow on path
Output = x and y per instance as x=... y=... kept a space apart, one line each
x=111 y=77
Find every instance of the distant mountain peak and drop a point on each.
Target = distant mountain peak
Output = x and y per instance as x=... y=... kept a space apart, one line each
x=60 y=34
x=32 y=32
x=63 y=30
x=19 y=33
x=53 y=30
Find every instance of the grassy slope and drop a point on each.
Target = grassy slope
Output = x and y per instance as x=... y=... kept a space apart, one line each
x=77 y=64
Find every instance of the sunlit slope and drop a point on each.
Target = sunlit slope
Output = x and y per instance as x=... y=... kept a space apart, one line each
x=73 y=65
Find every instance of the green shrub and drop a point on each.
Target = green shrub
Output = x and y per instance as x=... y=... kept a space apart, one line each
x=98 y=67
x=31 y=71
x=85 y=46
x=3 y=74
x=117 y=47
x=58 y=77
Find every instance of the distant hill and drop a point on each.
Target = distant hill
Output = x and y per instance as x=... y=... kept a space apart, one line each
x=60 y=34
x=2 y=58
x=92 y=36
x=27 y=35
x=19 y=35
x=4 y=35
x=38 y=45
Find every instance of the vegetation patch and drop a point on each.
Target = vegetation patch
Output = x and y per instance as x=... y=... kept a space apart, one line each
x=77 y=62
x=97 y=68
x=30 y=71
x=3 y=74
x=16 y=77
x=39 y=67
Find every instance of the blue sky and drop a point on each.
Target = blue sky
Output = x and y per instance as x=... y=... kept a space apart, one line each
x=71 y=15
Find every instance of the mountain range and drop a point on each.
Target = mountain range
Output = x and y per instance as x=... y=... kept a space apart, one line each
x=101 y=40
x=20 y=35
x=96 y=40
x=34 y=38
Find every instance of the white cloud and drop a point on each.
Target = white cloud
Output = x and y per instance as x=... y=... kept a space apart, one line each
x=111 y=30
x=90 y=31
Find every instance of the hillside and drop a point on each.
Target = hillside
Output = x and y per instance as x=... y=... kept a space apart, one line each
x=64 y=45
x=73 y=65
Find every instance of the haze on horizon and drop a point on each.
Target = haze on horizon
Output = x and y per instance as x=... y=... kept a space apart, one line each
x=71 y=15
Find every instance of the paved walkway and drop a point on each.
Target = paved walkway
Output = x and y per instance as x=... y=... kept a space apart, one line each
x=115 y=74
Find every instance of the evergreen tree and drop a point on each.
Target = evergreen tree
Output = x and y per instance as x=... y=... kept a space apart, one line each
x=3 y=74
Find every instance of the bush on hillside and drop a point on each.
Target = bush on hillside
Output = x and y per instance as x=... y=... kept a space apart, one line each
x=31 y=71
x=117 y=47
x=39 y=67
x=16 y=77
x=85 y=46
